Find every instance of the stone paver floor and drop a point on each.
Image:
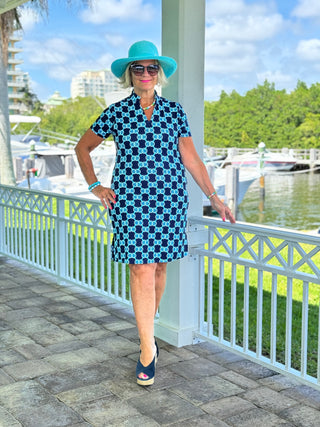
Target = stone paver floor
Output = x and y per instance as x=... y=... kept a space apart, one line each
x=68 y=357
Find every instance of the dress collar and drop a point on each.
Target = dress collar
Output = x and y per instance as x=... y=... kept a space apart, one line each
x=136 y=97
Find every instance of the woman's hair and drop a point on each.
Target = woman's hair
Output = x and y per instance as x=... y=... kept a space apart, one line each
x=125 y=79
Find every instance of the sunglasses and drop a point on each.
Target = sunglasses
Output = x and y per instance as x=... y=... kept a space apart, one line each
x=138 y=70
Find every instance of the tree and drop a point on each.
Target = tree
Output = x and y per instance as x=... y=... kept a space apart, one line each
x=9 y=21
x=30 y=100
x=72 y=117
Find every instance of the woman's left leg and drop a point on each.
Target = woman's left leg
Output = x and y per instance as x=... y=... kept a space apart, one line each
x=160 y=282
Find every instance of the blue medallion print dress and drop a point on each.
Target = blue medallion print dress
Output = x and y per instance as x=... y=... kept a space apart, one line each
x=149 y=217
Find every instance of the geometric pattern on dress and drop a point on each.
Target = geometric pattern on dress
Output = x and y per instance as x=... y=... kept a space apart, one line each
x=149 y=217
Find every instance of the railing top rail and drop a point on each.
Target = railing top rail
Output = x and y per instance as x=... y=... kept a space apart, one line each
x=262 y=230
x=50 y=194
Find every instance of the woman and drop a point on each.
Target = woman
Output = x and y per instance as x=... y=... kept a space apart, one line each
x=147 y=200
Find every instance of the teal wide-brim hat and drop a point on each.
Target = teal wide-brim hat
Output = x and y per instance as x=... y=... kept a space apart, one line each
x=138 y=52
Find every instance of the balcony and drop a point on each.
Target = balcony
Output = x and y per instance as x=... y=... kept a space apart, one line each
x=15 y=61
x=15 y=72
x=86 y=335
x=15 y=95
x=14 y=49
x=16 y=84
x=238 y=272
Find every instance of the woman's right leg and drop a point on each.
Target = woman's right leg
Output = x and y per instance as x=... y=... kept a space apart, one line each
x=143 y=295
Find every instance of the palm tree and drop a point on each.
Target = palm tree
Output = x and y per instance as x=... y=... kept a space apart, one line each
x=9 y=21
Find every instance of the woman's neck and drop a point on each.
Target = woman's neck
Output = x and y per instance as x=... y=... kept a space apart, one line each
x=146 y=96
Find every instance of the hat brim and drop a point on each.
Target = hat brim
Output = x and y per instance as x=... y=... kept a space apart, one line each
x=169 y=65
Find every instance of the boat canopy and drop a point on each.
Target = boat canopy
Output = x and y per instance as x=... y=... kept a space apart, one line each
x=18 y=118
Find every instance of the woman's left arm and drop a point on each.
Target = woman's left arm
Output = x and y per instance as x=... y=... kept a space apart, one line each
x=196 y=167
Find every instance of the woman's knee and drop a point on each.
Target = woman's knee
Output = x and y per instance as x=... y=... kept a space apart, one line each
x=161 y=268
x=142 y=269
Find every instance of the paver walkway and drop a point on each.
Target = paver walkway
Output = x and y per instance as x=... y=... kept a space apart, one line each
x=68 y=357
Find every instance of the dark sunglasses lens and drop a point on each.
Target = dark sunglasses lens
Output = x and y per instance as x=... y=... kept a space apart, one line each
x=153 y=69
x=137 y=69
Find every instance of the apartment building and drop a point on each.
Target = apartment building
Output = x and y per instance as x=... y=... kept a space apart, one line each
x=94 y=83
x=17 y=79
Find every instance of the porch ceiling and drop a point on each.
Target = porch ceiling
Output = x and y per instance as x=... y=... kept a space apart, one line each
x=6 y=5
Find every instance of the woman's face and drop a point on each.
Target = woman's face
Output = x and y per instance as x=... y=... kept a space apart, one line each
x=145 y=81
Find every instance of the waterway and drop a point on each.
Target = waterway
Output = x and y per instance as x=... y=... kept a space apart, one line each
x=291 y=201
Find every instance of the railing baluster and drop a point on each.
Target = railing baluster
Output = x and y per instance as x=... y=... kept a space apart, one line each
x=95 y=260
x=202 y=293
x=273 y=335
x=83 y=254
x=16 y=250
x=259 y=314
x=246 y=309
x=11 y=246
x=124 y=283
x=304 y=329
x=109 y=264
x=77 y=249
x=221 y=301
x=89 y=275
x=288 y=324
x=209 y=298
x=102 y=280
x=116 y=280
x=233 y=321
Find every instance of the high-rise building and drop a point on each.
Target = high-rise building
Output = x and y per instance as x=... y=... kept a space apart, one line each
x=94 y=83
x=17 y=79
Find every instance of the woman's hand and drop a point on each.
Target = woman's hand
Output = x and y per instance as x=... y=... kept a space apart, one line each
x=106 y=196
x=222 y=210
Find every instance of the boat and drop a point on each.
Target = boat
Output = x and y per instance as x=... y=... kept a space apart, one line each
x=265 y=159
x=217 y=174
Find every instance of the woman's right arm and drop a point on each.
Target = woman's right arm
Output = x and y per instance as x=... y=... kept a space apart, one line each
x=88 y=142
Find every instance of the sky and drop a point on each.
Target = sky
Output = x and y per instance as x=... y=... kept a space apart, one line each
x=246 y=42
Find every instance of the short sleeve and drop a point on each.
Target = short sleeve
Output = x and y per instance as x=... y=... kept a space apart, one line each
x=183 y=125
x=105 y=123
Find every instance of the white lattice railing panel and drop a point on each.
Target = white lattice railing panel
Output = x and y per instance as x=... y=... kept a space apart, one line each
x=66 y=236
x=94 y=214
x=293 y=254
x=260 y=293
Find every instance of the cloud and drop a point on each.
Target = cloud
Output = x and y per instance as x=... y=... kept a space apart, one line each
x=104 y=11
x=234 y=33
x=51 y=51
x=104 y=61
x=115 y=40
x=234 y=20
x=276 y=77
x=28 y=18
x=213 y=92
x=62 y=59
x=309 y=50
x=230 y=57
x=307 y=9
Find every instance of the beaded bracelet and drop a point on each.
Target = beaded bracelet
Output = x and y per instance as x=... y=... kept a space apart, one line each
x=211 y=195
x=94 y=185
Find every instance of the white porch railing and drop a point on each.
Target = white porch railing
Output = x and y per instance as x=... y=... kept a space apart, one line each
x=68 y=237
x=259 y=286
x=259 y=295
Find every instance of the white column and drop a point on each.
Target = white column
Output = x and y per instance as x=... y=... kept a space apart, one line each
x=183 y=28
